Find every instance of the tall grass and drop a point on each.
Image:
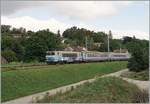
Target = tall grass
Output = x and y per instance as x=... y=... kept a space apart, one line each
x=103 y=90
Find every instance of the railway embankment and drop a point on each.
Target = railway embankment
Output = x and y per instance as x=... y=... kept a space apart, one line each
x=143 y=85
x=20 y=83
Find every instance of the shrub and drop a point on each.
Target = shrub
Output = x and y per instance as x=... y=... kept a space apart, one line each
x=139 y=60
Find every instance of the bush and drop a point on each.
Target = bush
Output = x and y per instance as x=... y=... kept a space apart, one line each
x=9 y=55
x=139 y=55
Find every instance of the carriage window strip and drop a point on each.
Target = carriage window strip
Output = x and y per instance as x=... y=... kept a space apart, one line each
x=119 y=55
x=69 y=55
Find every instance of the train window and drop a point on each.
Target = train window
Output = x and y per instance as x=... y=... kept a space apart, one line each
x=69 y=55
x=119 y=55
x=90 y=55
x=104 y=55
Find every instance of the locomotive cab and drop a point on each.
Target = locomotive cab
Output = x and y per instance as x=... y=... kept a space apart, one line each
x=52 y=57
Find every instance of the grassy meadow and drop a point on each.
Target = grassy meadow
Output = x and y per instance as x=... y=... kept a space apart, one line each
x=19 y=83
x=103 y=90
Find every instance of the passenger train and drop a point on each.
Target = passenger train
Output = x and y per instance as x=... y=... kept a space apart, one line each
x=84 y=56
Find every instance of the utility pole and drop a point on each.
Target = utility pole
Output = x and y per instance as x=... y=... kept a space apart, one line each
x=108 y=45
x=108 y=41
x=120 y=48
x=86 y=43
x=120 y=45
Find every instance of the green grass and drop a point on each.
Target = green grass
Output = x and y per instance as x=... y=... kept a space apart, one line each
x=143 y=75
x=18 y=83
x=103 y=90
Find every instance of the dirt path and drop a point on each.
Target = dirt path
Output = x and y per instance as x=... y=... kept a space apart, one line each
x=32 y=98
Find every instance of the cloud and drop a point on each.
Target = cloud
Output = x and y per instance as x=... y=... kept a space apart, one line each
x=83 y=10
x=35 y=24
x=138 y=34
x=9 y=7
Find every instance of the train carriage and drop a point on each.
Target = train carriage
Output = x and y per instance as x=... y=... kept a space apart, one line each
x=84 y=56
x=119 y=56
x=96 y=56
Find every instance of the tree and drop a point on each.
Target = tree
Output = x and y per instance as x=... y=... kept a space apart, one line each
x=39 y=43
x=5 y=28
x=99 y=37
x=115 y=44
x=139 y=55
x=103 y=47
x=7 y=41
x=20 y=30
x=19 y=49
x=9 y=55
x=127 y=39
x=77 y=35
x=14 y=44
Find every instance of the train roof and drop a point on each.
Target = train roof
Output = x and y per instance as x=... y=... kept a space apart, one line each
x=86 y=52
x=64 y=51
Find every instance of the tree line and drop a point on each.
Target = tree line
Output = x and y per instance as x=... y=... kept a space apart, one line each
x=17 y=44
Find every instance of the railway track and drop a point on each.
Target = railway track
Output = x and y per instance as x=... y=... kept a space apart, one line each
x=37 y=66
x=15 y=66
x=19 y=67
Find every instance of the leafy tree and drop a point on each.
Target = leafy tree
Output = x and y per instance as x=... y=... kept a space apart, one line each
x=11 y=43
x=99 y=37
x=7 y=42
x=20 y=30
x=19 y=50
x=9 y=55
x=127 y=39
x=5 y=28
x=115 y=44
x=39 y=43
x=77 y=36
x=103 y=47
x=139 y=52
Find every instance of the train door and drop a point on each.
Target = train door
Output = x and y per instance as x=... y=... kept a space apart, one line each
x=83 y=55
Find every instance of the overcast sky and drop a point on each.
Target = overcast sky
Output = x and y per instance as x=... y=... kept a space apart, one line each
x=123 y=18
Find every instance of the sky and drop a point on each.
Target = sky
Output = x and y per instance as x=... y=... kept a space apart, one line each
x=123 y=18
